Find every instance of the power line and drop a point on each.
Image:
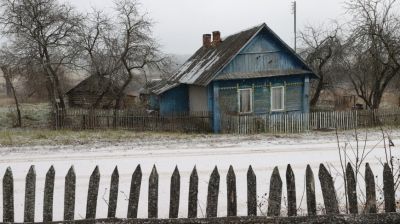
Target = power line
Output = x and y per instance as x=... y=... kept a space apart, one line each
x=294 y=12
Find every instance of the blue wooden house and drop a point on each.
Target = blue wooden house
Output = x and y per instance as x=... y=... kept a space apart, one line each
x=250 y=72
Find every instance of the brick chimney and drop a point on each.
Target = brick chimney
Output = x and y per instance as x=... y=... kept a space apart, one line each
x=206 y=40
x=216 y=38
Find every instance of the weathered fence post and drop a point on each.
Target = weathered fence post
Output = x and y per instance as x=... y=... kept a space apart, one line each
x=113 y=198
x=251 y=192
x=174 y=194
x=48 y=195
x=93 y=192
x=351 y=190
x=231 y=192
x=30 y=188
x=275 y=194
x=69 y=195
x=153 y=194
x=310 y=192
x=134 y=193
x=291 y=191
x=8 y=196
x=370 y=205
x=388 y=189
x=328 y=191
x=212 y=196
x=193 y=192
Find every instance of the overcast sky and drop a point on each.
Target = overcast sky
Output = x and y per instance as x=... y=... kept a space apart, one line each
x=179 y=24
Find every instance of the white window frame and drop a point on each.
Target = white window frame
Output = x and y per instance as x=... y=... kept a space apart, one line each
x=251 y=100
x=283 y=98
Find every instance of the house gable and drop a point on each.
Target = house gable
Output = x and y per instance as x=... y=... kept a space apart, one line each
x=265 y=55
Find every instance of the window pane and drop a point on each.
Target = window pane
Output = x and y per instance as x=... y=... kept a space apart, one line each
x=245 y=100
x=277 y=98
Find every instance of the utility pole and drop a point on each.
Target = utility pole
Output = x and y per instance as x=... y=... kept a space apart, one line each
x=294 y=8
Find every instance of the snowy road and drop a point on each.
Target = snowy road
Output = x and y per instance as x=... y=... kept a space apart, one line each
x=262 y=155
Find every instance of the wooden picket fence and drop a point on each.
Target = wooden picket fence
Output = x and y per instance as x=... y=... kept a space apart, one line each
x=293 y=122
x=296 y=122
x=84 y=119
x=330 y=211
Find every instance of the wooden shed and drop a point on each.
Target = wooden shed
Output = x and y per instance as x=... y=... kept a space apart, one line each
x=88 y=91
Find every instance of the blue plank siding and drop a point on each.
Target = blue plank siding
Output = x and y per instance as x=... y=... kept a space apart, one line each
x=306 y=94
x=294 y=101
x=175 y=100
x=216 y=109
x=263 y=53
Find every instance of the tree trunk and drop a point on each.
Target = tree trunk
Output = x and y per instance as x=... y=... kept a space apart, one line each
x=121 y=92
x=100 y=98
x=7 y=76
x=317 y=93
x=8 y=87
x=56 y=85
x=376 y=100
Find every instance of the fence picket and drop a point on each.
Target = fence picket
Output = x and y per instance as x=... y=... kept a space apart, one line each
x=351 y=190
x=231 y=192
x=174 y=194
x=310 y=192
x=212 y=196
x=48 y=195
x=153 y=194
x=328 y=191
x=193 y=192
x=134 y=193
x=275 y=194
x=93 y=192
x=113 y=198
x=251 y=192
x=30 y=189
x=291 y=191
x=388 y=189
x=370 y=206
x=69 y=195
x=8 y=196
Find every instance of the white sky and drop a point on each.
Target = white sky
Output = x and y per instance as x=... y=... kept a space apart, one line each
x=179 y=24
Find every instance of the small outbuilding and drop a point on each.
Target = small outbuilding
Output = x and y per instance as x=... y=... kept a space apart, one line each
x=93 y=88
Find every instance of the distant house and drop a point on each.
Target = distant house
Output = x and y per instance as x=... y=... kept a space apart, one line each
x=88 y=91
x=251 y=72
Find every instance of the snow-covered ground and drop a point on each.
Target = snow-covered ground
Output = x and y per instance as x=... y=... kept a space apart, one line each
x=262 y=152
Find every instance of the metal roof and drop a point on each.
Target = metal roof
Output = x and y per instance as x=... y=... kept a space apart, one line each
x=207 y=62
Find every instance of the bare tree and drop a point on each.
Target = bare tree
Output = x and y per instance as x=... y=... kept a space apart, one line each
x=134 y=46
x=8 y=65
x=47 y=28
x=373 y=54
x=122 y=53
x=321 y=47
x=96 y=54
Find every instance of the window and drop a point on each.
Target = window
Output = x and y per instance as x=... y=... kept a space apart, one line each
x=245 y=100
x=277 y=98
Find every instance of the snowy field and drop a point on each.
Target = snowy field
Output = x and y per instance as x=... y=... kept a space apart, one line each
x=262 y=152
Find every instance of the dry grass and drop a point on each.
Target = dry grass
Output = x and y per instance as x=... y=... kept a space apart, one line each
x=24 y=137
x=33 y=115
